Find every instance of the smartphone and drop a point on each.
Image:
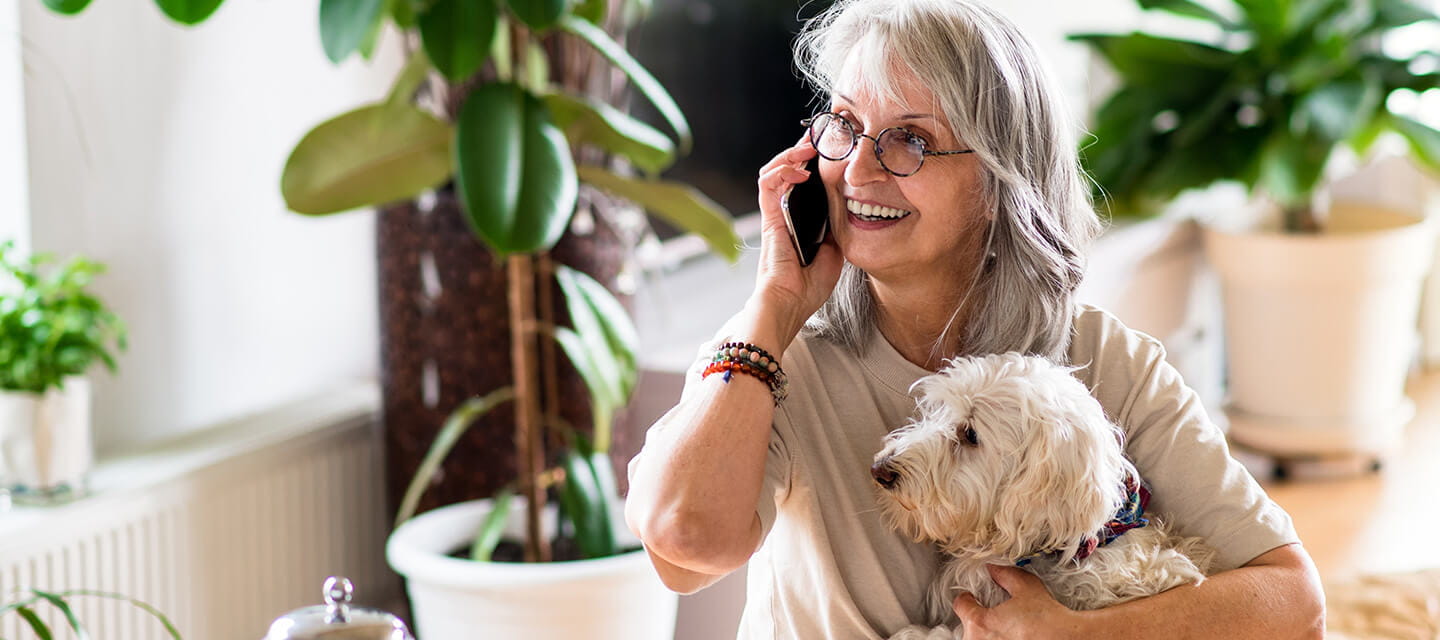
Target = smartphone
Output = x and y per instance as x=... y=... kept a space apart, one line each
x=807 y=214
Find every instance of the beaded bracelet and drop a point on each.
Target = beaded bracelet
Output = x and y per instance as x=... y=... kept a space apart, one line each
x=749 y=359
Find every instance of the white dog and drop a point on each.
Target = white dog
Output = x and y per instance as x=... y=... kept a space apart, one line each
x=1013 y=462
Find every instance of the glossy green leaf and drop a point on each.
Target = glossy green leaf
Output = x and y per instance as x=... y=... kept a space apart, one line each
x=588 y=507
x=1337 y=109
x=639 y=76
x=345 y=24
x=538 y=14
x=155 y=613
x=1189 y=9
x=620 y=334
x=456 y=35
x=500 y=49
x=188 y=12
x=67 y=7
x=679 y=204
x=591 y=121
x=1268 y=18
x=402 y=12
x=59 y=603
x=36 y=624
x=455 y=426
x=1398 y=13
x=1167 y=65
x=592 y=10
x=1291 y=166
x=537 y=68
x=488 y=536
x=409 y=80
x=603 y=401
x=1424 y=140
x=367 y=157
x=515 y=175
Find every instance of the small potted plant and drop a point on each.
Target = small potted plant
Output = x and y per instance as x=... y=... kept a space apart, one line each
x=52 y=331
x=28 y=608
x=1320 y=298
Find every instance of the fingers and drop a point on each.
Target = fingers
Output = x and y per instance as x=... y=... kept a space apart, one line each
x=1014 y=580
x=796 y=155
x=967 y=608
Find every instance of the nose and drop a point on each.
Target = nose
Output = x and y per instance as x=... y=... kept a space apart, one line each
x=883 y=473
x=863 y=166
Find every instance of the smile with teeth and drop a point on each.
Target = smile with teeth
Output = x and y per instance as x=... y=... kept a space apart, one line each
x=874 y=212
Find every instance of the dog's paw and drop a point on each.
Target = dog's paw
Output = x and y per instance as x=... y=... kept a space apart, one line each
x=917 y=632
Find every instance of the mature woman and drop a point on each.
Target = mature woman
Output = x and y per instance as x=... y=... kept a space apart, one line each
x=959 y=220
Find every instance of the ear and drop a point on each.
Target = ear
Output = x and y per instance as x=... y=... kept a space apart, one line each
x=1067 y=480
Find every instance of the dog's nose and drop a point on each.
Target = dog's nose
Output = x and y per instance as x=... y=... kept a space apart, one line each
x=883 y=473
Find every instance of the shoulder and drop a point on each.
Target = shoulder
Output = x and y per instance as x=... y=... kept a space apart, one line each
x=1111 y=358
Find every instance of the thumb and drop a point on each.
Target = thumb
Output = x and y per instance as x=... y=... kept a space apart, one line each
x=967 y=608
x=1014 y=580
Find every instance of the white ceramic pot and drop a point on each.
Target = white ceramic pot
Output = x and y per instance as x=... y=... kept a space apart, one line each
x=45 y=444
x=1321 y=330
x=452 y=599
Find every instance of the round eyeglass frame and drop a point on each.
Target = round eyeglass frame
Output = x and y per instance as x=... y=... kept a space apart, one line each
x=855 y=137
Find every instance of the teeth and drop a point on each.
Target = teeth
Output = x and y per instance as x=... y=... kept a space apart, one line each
x=874 y=212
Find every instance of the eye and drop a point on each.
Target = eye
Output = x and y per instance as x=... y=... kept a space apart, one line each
x=967 y=433
x=916 y=139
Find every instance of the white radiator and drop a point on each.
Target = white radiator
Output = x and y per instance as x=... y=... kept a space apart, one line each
x=223 y=531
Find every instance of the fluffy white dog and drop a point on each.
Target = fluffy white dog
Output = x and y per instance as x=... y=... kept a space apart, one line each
x=1011 y=461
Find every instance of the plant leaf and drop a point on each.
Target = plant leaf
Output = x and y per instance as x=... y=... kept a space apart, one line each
x=1190 y=10
x=602 y=399
x=345 y=24
x=597 y=123
x=679 y=204
x=1176 y=68
x=592 y=10
x=639 y=76
x=402 y=12
x=489 y=534
x=456 y=34
x=1424 y=140
x=1337 y=109
x=370 y=156
x=36 y=624
x=515 y=174
x=164 y=621
x=67 y=7
x=619 y=331
x=1291 y=165
x=590 y=508
x=449 y=434
x=188 y=12
x=1398 y=13
x=59 y=602
x=411 y=76
x=538 y=14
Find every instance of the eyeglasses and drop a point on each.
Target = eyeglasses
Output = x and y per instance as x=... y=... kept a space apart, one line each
x=900 y=152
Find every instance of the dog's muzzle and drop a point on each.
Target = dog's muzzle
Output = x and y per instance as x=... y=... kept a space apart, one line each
x=883 y=473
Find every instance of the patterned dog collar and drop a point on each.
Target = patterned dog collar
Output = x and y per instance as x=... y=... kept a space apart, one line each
x=1130 y=516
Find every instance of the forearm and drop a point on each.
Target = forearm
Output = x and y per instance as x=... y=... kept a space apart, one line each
x=694 y=488
x=1275 y=597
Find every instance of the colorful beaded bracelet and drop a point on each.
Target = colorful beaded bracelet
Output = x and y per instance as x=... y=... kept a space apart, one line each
x=749 y=359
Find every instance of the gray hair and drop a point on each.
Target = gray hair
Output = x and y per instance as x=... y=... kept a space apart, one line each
x=994 y=92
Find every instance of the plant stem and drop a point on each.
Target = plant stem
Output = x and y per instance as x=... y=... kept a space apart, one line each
x=529 y=447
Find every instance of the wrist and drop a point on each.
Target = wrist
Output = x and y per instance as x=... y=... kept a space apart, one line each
x=768 y=326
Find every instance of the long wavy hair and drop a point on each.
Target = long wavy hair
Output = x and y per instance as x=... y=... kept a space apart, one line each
x=994 y=93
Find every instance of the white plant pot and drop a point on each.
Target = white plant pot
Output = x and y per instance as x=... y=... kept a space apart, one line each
x=46 y=450
x=607 y=598
x=1320 y=331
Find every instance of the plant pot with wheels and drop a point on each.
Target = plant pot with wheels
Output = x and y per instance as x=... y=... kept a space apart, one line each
x=1320 y=313
x=616 y=597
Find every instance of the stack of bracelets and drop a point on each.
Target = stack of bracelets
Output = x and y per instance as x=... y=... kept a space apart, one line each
x=746 y=358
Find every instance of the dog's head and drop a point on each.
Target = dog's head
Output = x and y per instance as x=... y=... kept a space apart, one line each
x=1010 y=456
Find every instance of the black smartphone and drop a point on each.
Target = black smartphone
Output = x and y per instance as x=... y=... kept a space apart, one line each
x=807 y=214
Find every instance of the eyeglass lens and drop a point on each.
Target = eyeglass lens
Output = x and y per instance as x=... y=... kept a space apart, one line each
x=900 y=152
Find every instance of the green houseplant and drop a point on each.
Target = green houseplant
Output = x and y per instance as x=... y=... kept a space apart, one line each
x=492 y=102
x=26 y=608
x=52 y=330
x=1320 y=315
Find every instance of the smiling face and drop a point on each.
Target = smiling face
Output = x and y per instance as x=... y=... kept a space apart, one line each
x=925 y=225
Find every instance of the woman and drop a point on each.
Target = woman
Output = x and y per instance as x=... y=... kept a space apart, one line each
x=958 y=220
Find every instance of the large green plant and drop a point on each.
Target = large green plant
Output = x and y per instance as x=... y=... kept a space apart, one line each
x=51 y=327
x=509 y=151
x=1266 y=103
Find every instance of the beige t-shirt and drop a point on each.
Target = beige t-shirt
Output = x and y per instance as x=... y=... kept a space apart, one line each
x=830 y=567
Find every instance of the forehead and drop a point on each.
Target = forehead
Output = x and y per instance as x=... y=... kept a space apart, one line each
x=875 y=83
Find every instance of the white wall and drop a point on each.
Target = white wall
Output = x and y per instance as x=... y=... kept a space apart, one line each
x=157 y=149
x=14 y=193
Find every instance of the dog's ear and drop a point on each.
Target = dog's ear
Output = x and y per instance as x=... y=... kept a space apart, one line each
x=1066 y=481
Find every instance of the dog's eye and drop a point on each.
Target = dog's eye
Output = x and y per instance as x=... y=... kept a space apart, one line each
x=969 y=434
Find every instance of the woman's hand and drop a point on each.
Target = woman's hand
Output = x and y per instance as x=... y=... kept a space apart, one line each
x=786 y=293
x=1031 y=612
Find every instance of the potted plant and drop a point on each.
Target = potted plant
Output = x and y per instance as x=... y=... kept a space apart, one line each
x=27 y=609
x=503 y=115
x=52 y=330
x=1320 y=312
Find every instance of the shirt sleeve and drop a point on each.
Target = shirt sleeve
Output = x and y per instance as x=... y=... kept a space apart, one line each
x=1197 y=487
x=775 y=486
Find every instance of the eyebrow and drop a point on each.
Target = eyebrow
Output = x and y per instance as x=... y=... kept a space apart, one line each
x=907 y=116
